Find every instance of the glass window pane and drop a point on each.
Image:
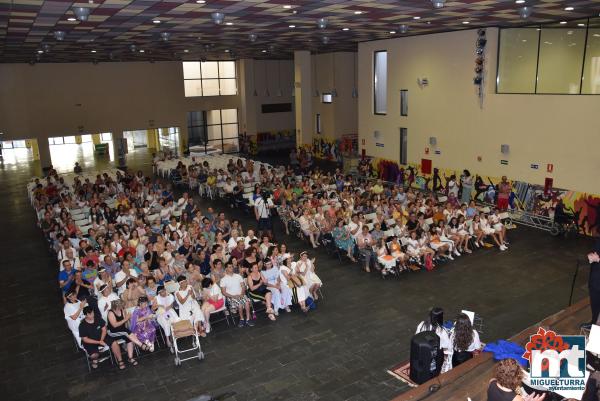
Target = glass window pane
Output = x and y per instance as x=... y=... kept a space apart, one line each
x=561 y=56
x=193 y=87
x=226 y=69
x=210 y=69
x=228 y=86
x=214 y=132
x=230 y=145
x=69 y=139
x=517 y=60
x=213 y=117
x=8 y=144
x=591 y=69
x=380 y=82
x=19 y=144
x=230 y=130
x=210 y=87
x=106 y=136
x=86 y=138
x=229 y=116
x=191 y=70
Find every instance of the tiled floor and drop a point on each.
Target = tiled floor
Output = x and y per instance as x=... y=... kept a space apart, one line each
x=339 y=352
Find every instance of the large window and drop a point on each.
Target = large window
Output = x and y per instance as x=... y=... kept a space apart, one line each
x=557 y=58
x=380 y=82
x=209 y=78
x=214 y=128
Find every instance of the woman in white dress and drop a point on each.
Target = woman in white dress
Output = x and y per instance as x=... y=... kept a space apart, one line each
x=488 y=230
x=464 y=340
x=280 y=292
x=74 y=313
x=305 y=268
x=189 y=309
x=166 y=314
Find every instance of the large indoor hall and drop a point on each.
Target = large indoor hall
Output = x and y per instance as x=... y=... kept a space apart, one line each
x=255 y=200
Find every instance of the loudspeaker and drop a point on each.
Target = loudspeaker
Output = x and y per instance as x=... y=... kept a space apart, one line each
x=426 y=358
x=432 y=140
x=504 y=148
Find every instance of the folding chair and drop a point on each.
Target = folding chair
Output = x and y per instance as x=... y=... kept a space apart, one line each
x=222 y=310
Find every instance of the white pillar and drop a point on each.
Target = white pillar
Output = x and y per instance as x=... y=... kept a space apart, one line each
x=303 y=99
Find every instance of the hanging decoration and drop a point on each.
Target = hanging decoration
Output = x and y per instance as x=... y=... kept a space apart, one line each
x=480 y=64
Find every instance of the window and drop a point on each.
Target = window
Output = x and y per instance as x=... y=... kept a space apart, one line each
x=380 y=82
x=556 y=58
x=209 y=78
x=318 y=121
x=327 y=98
x=86 y=138
x=69 y=139
x=106 y=137
x=214 y=128
x=404 y=102
x=7 y=144
x=403 y=146
x=56 y=140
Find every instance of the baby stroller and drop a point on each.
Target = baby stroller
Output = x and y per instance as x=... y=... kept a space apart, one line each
x=180 y=331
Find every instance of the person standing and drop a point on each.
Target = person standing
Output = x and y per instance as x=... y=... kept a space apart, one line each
x=467 y=187
x=594 y=281
x=504 y=189
x=262 y=213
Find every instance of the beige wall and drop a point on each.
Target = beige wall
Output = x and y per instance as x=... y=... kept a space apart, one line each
x=48 y=100
x=539 y=129
x=341 y=116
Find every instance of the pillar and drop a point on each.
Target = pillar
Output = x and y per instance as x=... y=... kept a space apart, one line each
x=250 y=103
x=78 y=139
x=119 y=149
x=44 y=152
x=152 y=138
x=183 y=139
x=303 y=97
x=96 y=139
x=33 y=145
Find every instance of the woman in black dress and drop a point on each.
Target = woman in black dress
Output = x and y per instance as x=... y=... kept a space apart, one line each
x=257 y=289
x=117 y=330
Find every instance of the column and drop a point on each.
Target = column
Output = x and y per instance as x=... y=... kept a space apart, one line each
x=119 y=149
x=303 y=97
x=44 y=150
x=249 y=101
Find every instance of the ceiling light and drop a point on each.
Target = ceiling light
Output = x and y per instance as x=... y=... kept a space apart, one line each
x=229 y=23
x=200 y=1
x=71 y=19
x=226 y=50
x=325 y=39
x=392 y=32
x=438 y=3
x=59 y=35
x=252 y=37
x=562 y=22
x=416 y=17
x=217 y=18
x=358 y=12
x=40 y=51
x=186 y=51
x=81 y=13
x=466 y=22
x=580 y=24
x=345 y=29
x=291 y=26
x=132 y=48
x=569 y=8
x=165 y=36
x=520 y=1
x=597 y=35
x=525 y=12
x=93 y=51
x=322 y=23
x=263 y=51
x=403 y=28
x=156 y=21
x=287 y=6
x=142 y=51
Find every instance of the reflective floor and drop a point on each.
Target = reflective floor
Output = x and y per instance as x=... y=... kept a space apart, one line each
x=341 y=351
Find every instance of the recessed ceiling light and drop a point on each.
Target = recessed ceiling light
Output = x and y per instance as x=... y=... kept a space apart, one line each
x=466 y=22
x=392 y=32
x=291 y=26
x=524 y=40
x=569 y=8
x=358 y=12
x=156 y=21
x=200 y=1
x=287 y=6
x=597 y=35
x=229 y=23
x=345 y=29
x=580 y=24
x=71 y=19
x=563 y=22
x=226 y=50
x=93 y=51
x=417 y=17
x=186 y=51
x=520 y=1
x=142 y=51
x=40 y=51
x=263 y=51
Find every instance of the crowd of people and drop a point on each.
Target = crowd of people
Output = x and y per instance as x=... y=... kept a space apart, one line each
x=387 y=226
x=134 y=258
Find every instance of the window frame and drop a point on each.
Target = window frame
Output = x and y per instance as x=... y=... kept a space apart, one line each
x=403 y=102
x=217 y=78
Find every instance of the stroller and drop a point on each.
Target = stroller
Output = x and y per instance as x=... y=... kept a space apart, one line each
x=179 y=331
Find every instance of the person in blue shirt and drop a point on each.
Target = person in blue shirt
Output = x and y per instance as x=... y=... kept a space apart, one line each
x=66 y=277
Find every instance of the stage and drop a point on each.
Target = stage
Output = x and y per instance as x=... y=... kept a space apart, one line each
x=470 y=380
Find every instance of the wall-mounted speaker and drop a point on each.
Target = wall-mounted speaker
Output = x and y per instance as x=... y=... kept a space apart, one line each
x=377 y=135
x=504 y=149
x=432 y=140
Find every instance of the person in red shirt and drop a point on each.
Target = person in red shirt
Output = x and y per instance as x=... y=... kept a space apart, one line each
x=504 y=189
